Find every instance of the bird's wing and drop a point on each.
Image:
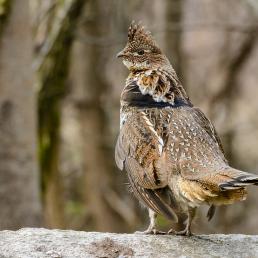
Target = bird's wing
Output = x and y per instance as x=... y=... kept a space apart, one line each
x=192 y=144
x=194 y=151
x=139 y=150
x=227 y=178
x=207 y=125
x=204 y=172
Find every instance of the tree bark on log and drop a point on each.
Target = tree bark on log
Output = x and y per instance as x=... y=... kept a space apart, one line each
x=43 y=243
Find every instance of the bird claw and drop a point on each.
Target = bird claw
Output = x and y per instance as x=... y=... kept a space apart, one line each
x=151 y=232
x=185 y=232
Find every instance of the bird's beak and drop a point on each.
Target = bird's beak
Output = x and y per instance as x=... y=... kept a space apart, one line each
x=121 y=54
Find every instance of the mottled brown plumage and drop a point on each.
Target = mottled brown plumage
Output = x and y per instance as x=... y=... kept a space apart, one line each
x=170 y=150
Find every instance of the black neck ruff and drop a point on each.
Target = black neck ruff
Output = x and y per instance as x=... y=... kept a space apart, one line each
x=134 y=98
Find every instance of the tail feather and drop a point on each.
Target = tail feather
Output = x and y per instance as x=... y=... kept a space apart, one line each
x=238 y=179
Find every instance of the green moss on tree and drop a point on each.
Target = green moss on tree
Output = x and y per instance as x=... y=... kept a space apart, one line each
x=52 y=79
x=5 y=6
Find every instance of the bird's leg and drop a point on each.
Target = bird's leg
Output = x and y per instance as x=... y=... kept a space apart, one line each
x=187 y=230
x=152 y=226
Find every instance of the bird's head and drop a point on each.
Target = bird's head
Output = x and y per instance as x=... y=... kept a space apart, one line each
x=141 y=51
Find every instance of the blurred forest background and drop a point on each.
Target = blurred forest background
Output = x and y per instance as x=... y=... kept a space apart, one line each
x=60 y=85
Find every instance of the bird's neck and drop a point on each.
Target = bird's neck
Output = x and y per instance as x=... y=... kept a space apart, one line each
x=154 y=88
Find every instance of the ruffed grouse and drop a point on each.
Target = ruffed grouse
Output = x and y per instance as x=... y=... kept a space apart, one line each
x=170 y=150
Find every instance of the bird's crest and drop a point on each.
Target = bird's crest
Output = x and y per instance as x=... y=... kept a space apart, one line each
x=137 y=30
x=137 y=35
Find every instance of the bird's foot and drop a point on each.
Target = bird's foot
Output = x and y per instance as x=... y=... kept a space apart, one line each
x=185 y=232
x=152 y=231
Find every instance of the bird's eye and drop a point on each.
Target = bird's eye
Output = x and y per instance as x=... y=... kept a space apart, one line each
x=140 y=52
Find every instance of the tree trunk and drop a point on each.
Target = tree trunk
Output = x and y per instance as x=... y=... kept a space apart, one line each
x=19 y=178
x=53 y=66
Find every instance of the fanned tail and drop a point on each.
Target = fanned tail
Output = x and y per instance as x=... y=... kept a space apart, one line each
x=237 y=179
